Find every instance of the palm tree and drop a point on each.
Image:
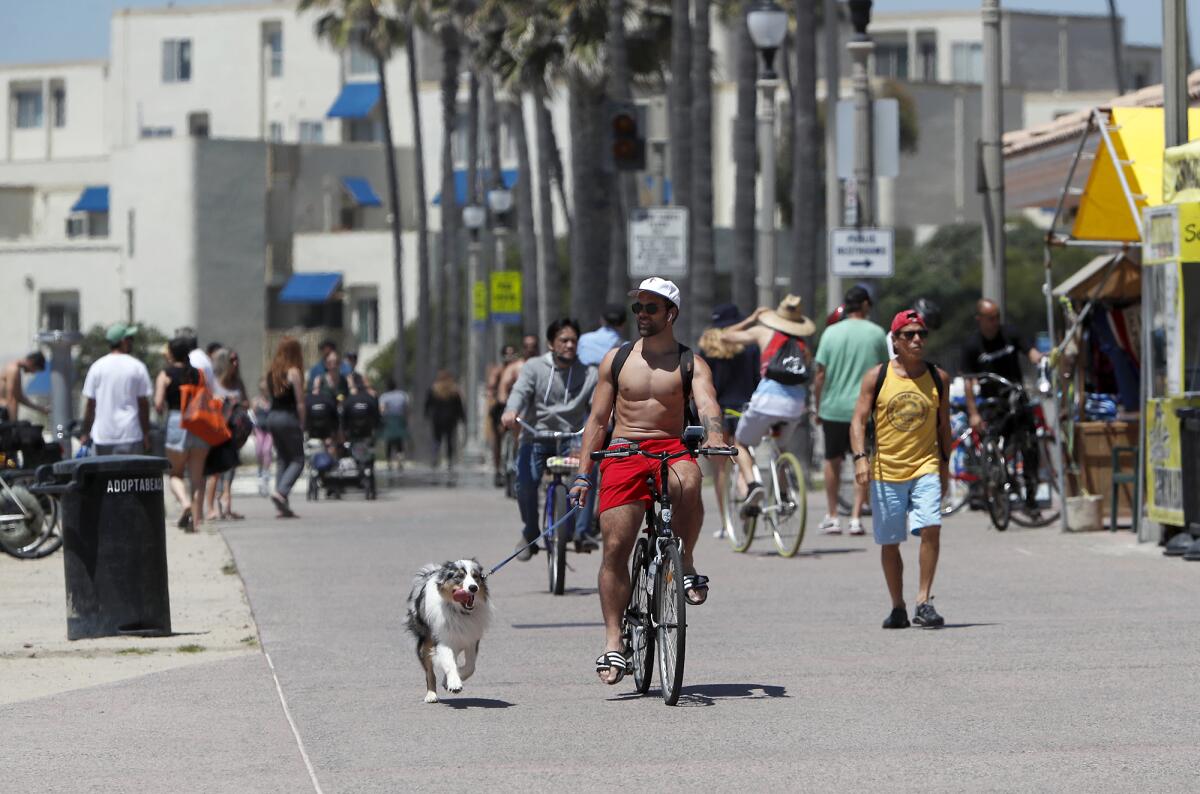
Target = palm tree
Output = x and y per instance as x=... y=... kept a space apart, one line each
x=703 y=265
x=745 y=155
x=424 y=372
x=806 y=168
x=363 y=23
x=450 y=288
x=625 y=191
x=679 y=101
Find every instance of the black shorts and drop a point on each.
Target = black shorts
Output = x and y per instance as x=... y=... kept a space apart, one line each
x=494 y=414
x=837 y=439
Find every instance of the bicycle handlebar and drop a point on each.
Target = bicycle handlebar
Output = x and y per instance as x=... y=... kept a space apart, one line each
x=1002 y=381
x=629 y=452
x=549 y=437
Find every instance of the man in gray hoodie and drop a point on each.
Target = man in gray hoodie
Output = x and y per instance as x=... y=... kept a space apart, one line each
x=554 y=394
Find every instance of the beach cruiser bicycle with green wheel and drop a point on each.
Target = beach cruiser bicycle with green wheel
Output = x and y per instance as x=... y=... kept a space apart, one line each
x=784 y=511
x=656 y=613
x=563 y=464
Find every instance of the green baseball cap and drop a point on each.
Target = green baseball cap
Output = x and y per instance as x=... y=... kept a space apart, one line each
x=118 y=331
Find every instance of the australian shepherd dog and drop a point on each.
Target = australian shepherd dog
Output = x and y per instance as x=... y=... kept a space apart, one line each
x=448 y=611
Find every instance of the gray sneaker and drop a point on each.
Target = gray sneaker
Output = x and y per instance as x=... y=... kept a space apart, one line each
x=925 y=615
x=527 y=551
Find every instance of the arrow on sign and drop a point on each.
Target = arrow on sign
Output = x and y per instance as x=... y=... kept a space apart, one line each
x=860 y=263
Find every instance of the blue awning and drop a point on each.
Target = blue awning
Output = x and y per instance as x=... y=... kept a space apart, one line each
x=508 y=177
x=310 y=287
x=93 y=199
x=356 y=101
x=39 y=384
x=360 y=190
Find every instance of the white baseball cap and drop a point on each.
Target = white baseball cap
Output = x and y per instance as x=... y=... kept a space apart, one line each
x=659 y=286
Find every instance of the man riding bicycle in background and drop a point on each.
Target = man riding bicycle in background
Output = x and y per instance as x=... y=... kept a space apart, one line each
x=650 y=407
x=780 y=397
x=553 y=394
x=997 y=349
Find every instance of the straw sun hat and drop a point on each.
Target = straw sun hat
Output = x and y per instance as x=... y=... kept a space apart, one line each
x=788 y=318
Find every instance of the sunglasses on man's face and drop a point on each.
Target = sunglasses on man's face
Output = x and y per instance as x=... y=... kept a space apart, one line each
x=649 y=308
x=908 y=335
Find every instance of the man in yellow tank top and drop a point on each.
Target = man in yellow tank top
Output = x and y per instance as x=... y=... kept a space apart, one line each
x=908 y=470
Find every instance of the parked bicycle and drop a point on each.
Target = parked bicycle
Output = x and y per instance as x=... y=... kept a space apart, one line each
x=29 y=521
x=656 y=613
x=785 y=507
x=556 y=504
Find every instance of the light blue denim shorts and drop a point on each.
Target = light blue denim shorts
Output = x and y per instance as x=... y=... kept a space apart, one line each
x=897 y=505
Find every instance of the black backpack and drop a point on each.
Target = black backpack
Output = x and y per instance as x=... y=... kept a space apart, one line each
x=687 y=366
x=788 y=364
x=935 y=372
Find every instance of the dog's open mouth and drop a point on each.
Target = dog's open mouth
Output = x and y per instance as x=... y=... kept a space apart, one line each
x=465 y=599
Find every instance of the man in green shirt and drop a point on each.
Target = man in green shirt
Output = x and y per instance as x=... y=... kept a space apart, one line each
x=847 y=350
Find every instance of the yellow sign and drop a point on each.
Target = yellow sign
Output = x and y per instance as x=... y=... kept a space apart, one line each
x=1181 y=173
x=506 y=296
x=1164 y=468
x=479 y=302
x=1172 y=233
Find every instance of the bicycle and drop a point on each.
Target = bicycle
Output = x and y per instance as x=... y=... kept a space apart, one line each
x=556 y=502
x=1001 y=463
x=785 y=507
x=656 y=612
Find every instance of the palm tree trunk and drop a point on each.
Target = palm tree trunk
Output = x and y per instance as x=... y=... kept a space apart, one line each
x=526 y=232
x=589 y=190
x=400 y=363
x=451 y=286
x=548 y=275
x=679 y=100
x=493 y=259
x=703 y=265
x=625 y=190
x=745 y=154
x=423 y=376
x=556 y=166
x=806 y=169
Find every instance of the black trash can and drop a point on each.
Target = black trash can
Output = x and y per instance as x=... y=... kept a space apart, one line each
x=114 y=544
x=1189 y=443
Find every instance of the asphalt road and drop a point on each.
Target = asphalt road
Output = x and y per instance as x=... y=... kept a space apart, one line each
x=1067 y=664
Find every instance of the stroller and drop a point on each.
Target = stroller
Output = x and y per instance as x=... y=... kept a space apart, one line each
x=354 y=463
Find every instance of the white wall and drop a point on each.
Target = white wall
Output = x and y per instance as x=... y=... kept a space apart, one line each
x=83 y=133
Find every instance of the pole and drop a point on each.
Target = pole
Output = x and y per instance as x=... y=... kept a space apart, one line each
x=62 y=388
x=1175 y=95
x=833 y=198
x=766 y=214
x=474 y=349
x=993 y=158
x=864 y=148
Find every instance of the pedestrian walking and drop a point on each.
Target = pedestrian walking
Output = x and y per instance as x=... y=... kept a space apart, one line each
x=118 y=391
x=185 y=451
x=393 y=409
x=444 y=410
x=611 y=333
x=735 y=376
x=232 y=391
x=12 y=397
x=326 y=347
x=906 y=400
x=197 y=357
x=847 y=351
x=285 y=383
x=260 y=408
x=495 y=403
x=355 y=380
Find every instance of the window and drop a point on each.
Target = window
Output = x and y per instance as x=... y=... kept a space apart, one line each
x=361 y=61
x=366 y=319
x=927 y=61
x=58 y=106
x=60 y=311
x=891 y=60
x=364 y=131
x=177 y=61
x=276 y=132
x=966 y=61
x=77 y=225
x=87 y=224
x=198 y=124
x=29 y=108
x=273 y=40
x=312 y=132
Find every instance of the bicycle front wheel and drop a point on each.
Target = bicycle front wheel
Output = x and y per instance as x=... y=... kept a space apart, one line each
x=670 y=610
x=556 y=541
x=639 y=633
x=995 y=475
x=789 y=518
x=741 y=530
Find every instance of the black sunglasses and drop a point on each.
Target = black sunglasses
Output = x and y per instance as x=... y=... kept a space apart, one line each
x=649 y=308
x=921 y=332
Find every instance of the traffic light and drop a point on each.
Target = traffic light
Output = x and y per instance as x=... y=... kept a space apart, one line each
x=628 y=141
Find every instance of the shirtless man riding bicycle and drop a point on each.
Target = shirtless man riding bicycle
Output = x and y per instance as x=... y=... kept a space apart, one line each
x=649 y=406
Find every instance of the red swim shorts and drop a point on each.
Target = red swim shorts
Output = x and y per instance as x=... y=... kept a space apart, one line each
x=623 y=480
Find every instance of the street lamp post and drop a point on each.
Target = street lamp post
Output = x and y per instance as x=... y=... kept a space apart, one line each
x=500 y=202
x=993 y=158
x=767 y=22
x=474 y=217
x=861 y=47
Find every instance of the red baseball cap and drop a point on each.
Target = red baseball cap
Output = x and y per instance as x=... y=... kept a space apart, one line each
x=907 y=317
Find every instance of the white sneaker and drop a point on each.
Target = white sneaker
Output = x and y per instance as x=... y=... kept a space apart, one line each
x=856 y=527
x=832 y=525
x=719 y=534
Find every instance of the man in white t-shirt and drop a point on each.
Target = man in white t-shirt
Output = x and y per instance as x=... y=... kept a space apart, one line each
x=118 y=389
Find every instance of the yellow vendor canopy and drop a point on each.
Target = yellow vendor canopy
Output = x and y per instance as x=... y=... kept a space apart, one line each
x=1138 y=138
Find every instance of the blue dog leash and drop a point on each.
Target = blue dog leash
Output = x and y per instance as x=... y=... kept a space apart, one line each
x=552 y=527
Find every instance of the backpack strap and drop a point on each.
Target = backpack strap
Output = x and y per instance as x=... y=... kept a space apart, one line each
x=619 y=361
x=883 y=368
x=687 y=368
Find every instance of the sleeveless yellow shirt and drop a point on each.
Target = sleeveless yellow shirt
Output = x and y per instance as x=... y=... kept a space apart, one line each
x=906 y=443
